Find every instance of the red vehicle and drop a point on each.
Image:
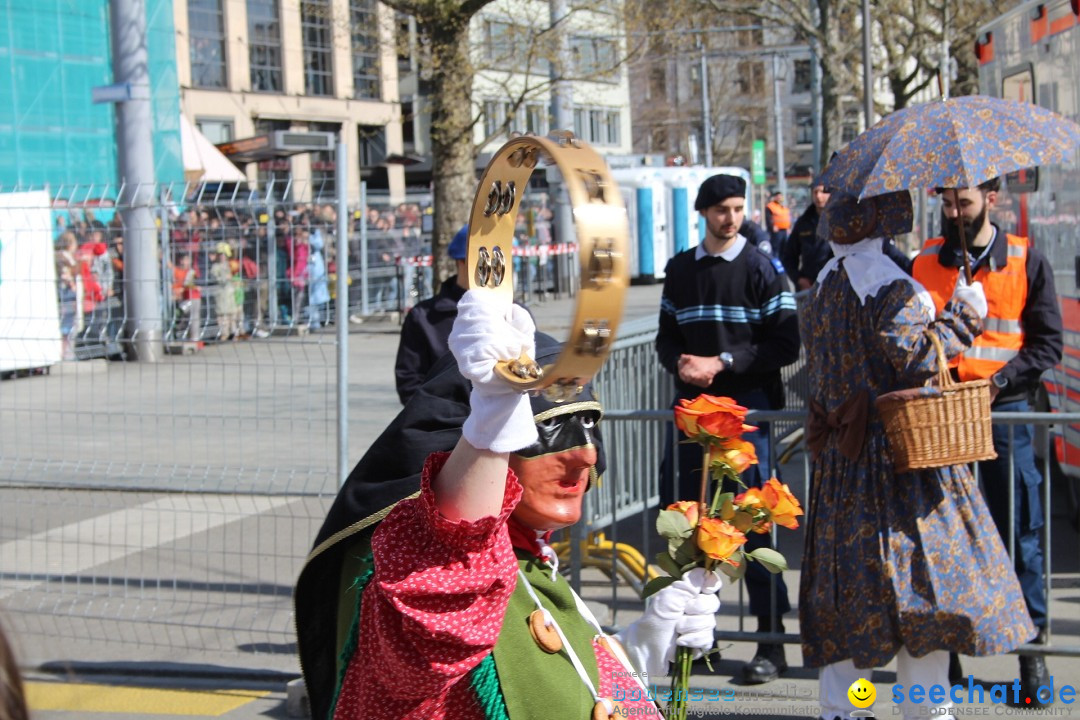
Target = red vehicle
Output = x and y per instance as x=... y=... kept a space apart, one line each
x=1032 y=53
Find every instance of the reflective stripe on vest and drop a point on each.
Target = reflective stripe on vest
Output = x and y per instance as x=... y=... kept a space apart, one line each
x=1006 y=294
x=781 y=216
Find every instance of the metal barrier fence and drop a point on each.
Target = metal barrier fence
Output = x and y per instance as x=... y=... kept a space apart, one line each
x=156 y=511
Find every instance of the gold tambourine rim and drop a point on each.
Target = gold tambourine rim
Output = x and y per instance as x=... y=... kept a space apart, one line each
x=602 y=229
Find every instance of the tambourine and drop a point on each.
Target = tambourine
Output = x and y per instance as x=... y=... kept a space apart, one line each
x=602 y=235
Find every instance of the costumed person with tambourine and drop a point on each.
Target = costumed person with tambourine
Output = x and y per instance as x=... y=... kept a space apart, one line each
x=432 y=591
x=895 y=564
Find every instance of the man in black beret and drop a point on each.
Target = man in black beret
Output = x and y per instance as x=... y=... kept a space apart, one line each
x=727 y=326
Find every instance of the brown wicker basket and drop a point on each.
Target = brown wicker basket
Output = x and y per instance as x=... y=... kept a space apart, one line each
x=928 y=430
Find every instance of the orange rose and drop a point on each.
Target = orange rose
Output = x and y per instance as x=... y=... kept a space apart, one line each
x=718 y=539
x=688 y=508
x=753 y=503
x=737 y=454
x=782 y=505
x=717 y=417
x=752 y=498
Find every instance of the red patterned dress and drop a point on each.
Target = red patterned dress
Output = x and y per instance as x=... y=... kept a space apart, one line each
x=434 y=611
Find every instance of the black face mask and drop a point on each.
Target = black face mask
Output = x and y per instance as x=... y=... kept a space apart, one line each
x=566 y=432
x=951 y=227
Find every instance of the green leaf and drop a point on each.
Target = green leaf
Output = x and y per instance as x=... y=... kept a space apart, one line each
x=673 y=524
x=656 y=585
x=668 y=564
x=730 y=570
x=773 y=561
x=686 y=552
x=742 y=521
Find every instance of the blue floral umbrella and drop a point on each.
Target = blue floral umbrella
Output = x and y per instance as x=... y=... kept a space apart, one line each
x=954 y=143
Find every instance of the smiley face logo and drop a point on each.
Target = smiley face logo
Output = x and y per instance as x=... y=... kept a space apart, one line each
x=861 y=693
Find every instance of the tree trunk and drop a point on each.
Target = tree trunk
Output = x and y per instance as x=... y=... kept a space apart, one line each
x=453 y=172
x=830 y=99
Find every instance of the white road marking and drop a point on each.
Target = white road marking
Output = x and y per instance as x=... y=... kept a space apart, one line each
x=79 y=546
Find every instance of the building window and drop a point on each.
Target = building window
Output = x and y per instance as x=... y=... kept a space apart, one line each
x=803 y=75
x=499 y=42
x=408 y=125
x=405 y=42
x=849 y=128
x=581 y=123
x=536 y=119
x=492 y=118
x=695 y=80
x=598 y=126
x=264 y=45
x=657 y=82
x=317 y=34
x=215 y=130
x=501 y=118
x=753 y=33
x=511 y=47
x=324 y=165
x=371 y=145
x=206 y=36
x=658 y=140
x=751 y=78
x=364 y=21
x=804 y=127
x=595 y=58
x=275 y=175
x=613 y=126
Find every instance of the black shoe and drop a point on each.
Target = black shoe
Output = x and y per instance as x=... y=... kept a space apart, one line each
x=766 y=665
x=1033 y=674
x=956 y=671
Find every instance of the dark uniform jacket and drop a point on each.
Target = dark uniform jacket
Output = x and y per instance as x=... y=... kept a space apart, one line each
x=424 y=336
x=742 y=306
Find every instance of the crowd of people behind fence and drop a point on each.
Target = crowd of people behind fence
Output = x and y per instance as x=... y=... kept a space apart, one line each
x=220 y=280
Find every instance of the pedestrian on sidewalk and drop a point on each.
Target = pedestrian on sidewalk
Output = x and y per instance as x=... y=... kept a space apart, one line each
x=904 y=565
x=778 y=222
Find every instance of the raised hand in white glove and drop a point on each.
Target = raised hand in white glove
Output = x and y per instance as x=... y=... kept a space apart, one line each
x=972 y=294
x=488 y=329
x=681 y=615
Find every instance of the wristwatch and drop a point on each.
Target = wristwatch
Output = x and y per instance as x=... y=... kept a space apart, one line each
x=729 y=362
x=999 y=380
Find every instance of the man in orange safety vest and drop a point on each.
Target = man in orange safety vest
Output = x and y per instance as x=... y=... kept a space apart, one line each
x=1021 y=339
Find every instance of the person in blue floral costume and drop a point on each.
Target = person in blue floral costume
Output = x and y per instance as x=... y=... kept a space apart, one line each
x=905 y=565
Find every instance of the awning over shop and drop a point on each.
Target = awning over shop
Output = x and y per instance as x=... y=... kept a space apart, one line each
x=277 y=144
x=202 y=161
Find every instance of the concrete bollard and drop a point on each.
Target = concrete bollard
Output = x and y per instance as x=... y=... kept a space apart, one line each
x=296 y=699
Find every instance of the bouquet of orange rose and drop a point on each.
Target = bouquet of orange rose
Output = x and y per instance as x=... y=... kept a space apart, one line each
x=711 y=534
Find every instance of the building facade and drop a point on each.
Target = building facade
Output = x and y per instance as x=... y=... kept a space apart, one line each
x=512 y=60
x=252 y=67
x=738 y=67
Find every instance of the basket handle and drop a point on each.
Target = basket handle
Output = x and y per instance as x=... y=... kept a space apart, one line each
x=944 y=376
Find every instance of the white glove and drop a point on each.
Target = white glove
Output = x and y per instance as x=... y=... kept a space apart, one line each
x=681 y=615
x=972 y=294
x=486 y=331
